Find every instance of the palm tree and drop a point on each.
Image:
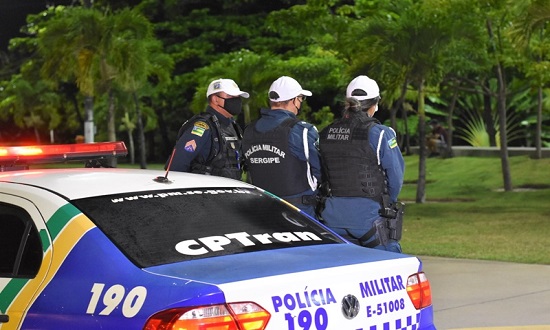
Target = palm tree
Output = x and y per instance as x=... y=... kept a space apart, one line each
x=72 y=49
x=31 y=104
x=135 y=55
x=103 y=52
x=530 y=34
x=497 y=19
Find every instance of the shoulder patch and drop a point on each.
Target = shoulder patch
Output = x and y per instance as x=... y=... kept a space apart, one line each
x=392 y=143
x=199 y=128
x=190 y=146
x=202 y=124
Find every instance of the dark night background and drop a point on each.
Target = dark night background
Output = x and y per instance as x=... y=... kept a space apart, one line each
x=13 y=14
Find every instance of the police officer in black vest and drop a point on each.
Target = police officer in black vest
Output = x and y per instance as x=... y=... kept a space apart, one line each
x=281 y=151
x=210 y=143
x=364 y=168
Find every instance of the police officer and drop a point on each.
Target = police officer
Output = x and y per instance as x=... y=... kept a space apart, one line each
x=281 y=151
x=210 y=142
x=364 y=168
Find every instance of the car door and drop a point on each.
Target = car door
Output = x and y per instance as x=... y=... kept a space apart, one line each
x=25 y=257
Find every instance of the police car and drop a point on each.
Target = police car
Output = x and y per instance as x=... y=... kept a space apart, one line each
x=111 y=248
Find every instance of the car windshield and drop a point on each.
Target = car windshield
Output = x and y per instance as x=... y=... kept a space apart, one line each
x=161 y=227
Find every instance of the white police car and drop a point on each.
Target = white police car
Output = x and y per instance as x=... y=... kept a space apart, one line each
x=104 y=248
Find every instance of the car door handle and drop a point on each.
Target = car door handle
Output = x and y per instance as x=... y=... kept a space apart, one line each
x=4 y=318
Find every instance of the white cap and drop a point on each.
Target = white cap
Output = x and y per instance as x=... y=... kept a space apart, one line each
x=363 y=88
x=286 y=88
x=225 y=85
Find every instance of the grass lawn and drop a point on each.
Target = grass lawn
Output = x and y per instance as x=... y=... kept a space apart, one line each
x=467 y=215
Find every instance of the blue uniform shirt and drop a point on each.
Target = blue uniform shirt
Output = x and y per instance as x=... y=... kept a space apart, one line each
x=383 y=138
x=270 y=119
x=196 y=141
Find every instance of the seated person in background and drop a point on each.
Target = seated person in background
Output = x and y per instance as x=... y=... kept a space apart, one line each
x=437 y=140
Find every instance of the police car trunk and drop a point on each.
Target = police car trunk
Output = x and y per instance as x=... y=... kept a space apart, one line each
x=279 y=267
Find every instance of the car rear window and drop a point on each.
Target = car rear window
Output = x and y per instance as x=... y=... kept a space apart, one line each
x=161 y=227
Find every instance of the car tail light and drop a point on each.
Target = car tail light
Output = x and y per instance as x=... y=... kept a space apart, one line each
x=418 y=288
x=233 y=316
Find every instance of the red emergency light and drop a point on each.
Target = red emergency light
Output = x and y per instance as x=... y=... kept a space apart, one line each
x=61 y=152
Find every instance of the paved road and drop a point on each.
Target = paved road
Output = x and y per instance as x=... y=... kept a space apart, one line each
x=475 y=294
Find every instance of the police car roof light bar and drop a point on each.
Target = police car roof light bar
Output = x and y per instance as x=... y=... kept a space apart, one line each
x=61 y=152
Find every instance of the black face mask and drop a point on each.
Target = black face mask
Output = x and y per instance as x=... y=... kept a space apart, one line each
x=298 y=107
x=233 y=105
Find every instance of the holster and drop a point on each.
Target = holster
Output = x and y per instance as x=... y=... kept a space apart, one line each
x=395 y=225
x=382 y=230
x=388 y=227
x=324 y=193
x=379 y=230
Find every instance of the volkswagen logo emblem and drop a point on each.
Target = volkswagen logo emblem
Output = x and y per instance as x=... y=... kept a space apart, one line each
x=350 y=306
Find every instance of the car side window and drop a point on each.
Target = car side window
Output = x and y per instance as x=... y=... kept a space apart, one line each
x=20 y=247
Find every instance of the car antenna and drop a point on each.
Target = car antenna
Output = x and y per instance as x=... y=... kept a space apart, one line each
x=164 y=179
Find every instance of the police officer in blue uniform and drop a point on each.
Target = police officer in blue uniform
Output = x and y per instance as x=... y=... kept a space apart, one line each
x=364 y=169
x=210 y=142
x=281 y=152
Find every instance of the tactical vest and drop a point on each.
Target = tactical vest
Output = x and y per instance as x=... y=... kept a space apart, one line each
x=270 y=164
x=224 y=158
x=349 y=162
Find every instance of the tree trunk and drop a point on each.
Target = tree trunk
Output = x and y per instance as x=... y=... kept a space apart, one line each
x=421 y=184
x=89 y=128
x=141 y=134
x=37 y=135
x=538 y=136
x=501 y=105
x=450 y=127
x=131 y=146
x=538 y=133
x=488 y=119
x=505 y=162
x=111 y=130
x=407 y=134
